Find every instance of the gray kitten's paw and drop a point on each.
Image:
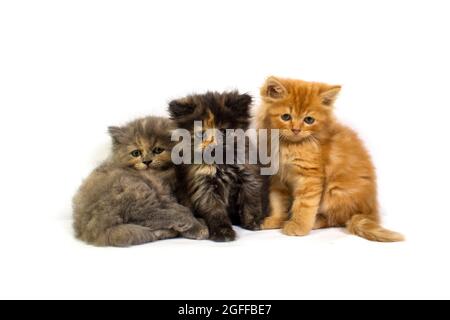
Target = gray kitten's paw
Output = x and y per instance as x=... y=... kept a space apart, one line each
x=184 y=225
x=165 y=234
x=198 y=232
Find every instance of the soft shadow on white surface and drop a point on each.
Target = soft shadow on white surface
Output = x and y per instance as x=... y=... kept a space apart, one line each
x=267 y=265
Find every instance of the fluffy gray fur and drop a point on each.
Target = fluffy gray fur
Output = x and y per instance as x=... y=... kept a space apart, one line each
x=128 y=200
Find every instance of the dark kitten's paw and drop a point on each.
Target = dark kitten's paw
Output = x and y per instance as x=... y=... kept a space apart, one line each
x=252 y=226
x=224 y=234
x=198 y=232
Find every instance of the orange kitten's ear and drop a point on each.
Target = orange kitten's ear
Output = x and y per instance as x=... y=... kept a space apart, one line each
x=274 y=89
x=329 y=94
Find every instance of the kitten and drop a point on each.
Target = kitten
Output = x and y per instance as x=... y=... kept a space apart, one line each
x=326 y=176
x=128 y=200
x=221 y=194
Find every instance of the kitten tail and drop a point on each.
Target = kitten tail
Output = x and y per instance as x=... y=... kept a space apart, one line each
x=369 y=229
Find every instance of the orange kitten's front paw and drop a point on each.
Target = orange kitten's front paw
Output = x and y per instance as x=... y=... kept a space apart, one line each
x=292 y=228
x=272 y=223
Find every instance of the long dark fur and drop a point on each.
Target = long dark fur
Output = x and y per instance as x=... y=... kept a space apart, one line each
x=220 y=194
x=130 y=200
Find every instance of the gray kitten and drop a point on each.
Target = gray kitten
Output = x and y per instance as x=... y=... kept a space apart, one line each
x=128 y=200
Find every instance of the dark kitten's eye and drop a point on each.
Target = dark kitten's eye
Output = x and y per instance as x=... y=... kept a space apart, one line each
x=286 y=117
x=199 y=134
x=136 y=153
x=226 y=132
x=158 y=150
x=309 y=120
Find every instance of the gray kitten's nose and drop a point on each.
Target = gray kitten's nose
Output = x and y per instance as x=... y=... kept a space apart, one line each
x=148 y=162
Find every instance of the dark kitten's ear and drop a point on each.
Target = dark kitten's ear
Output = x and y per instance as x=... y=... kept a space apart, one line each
x=181 y=108
x=238 y=102
x=117 y=134
x=329 y=94
x=273 y=89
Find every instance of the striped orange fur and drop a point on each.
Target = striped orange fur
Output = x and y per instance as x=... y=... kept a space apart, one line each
x=326 y=176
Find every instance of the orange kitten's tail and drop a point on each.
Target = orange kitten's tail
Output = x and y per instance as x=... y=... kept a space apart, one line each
x=369 y=229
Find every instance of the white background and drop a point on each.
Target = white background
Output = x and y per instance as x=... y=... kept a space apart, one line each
x=68 y=69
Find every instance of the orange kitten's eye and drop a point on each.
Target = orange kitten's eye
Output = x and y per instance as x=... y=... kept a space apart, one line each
x=158 y=150
x=309 y=120
x=286 y=117
x=136 y=153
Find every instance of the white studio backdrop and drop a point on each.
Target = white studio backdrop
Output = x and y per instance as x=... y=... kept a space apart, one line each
x=69 y=69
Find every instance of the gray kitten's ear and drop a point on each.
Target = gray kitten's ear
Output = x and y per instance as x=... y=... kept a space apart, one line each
x=273 y=89
x=117 y=134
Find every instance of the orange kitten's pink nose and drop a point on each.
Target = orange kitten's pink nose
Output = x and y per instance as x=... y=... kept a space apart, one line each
x=296 y=131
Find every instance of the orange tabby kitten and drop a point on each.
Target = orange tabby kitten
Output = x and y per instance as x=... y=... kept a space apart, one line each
x=326 y=177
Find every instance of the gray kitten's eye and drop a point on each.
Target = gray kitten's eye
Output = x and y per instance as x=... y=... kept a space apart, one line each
x=136 y=153
x=309 y=120
x=158 y=150
x=286 y=117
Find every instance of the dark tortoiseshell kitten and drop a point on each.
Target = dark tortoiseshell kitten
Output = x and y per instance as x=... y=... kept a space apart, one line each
x=221 y=194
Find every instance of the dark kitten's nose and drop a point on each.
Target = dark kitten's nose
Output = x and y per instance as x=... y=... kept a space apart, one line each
x=148 y=162
x=296 y=131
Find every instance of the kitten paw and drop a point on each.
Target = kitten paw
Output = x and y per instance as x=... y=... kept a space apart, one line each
x=292 y=228
x=198 y=232
x=272 y=223
x=165 y=234
x=224 y=234
x=252 y=226
x=184 y=225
